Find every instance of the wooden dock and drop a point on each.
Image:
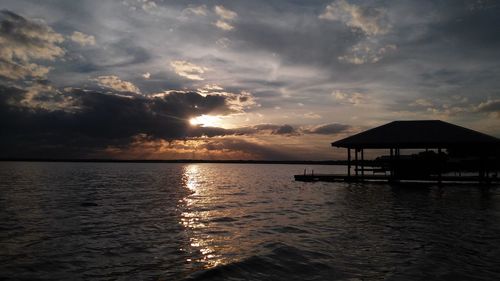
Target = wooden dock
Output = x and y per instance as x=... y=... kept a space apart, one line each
x=445 y=179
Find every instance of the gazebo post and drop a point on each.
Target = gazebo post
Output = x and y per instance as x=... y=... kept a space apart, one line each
x=481 y=166
x=486 y=166
x=362 y=163
x=356 y=160
x=391 y=160
x=398 y=159
x=348 y=162
x=440 y=166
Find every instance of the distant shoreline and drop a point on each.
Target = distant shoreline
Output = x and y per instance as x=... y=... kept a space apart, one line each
x=188 y=161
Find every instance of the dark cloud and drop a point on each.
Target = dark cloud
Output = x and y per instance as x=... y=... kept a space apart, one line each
x=95 y=119
x=275 y=129
x=328 y=129
x=489 y=106
x=257 y=151
x=32 y=125
x=263 y=129
x=266 y=129
x=284 y=130
x=272 y=129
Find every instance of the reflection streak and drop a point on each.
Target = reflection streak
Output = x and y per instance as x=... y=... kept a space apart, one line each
x=196 y=220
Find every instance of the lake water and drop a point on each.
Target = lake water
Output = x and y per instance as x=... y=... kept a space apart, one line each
x=119 y=221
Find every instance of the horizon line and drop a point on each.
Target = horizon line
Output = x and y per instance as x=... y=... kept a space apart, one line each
x=238 y=161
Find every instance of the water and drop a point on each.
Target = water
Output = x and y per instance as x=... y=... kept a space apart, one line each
x=117 y=221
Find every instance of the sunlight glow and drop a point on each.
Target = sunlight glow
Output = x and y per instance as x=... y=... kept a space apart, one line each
x=206 y=121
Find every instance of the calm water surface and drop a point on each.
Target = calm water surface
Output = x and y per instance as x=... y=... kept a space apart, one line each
x=116 y=221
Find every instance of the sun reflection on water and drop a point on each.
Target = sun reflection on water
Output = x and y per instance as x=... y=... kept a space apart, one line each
x=221 y=215
x=191 y=173
x=196 y=220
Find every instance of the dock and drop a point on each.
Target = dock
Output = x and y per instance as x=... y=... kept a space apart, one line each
x=388 y=179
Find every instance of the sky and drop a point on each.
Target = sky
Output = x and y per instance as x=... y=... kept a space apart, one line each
x=268 y=80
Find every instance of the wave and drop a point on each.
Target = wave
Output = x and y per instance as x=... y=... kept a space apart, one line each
x=280 y=262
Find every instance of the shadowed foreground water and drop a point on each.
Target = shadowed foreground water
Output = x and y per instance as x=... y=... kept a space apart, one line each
x=108 y=221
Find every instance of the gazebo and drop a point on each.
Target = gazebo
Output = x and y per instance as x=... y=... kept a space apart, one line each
x=416 y=135
x=420 y=134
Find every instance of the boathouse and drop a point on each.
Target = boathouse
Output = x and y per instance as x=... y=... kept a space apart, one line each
x=437 y=137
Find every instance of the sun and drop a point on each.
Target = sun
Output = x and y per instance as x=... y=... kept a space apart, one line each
x=206 y=121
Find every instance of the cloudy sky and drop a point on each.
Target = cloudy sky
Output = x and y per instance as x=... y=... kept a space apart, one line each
x=238 y=79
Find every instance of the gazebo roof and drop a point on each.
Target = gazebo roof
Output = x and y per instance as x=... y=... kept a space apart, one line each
x=417 y=134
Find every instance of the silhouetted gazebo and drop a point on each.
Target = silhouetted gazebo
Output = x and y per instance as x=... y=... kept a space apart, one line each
x=421 y=134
